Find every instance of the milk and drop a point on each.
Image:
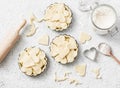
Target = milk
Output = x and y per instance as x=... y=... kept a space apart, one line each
x=104 y=17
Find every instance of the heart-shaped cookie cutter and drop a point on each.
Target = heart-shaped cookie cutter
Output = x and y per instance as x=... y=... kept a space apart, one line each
x=91 y=50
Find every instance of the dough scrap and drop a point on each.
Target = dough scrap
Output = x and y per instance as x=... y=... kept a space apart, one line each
x=64 y=49
x=74 y=81
x=60 y=79
x=32 y=61
x=81 y=69
x=84 y=37
x=44 y=40
x=71 y=81
x=96 y=71
x=67 y=74
x=66 y=78
x=34 y=18
x=32 y=29
x=58 y=16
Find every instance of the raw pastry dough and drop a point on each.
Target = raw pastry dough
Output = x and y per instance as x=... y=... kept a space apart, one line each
x=32 y=30
x=81 y=69
x=72 y=81
x=58 y=16
x=64 y=49
x=66 y=77
x=96 y=71
x=84 y=37
x=32 y=61
x=60 y=79
x=44 y=40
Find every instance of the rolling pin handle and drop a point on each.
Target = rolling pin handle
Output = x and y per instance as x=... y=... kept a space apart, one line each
x=21 y=26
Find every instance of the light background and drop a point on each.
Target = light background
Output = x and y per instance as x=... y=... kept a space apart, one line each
x=13 y=11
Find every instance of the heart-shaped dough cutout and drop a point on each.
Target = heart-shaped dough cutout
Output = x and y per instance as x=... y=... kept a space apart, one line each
x=84 y=37
x=91 y=53
x=44 y=40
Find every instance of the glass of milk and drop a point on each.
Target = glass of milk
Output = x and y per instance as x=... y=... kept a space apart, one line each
x=104 y=19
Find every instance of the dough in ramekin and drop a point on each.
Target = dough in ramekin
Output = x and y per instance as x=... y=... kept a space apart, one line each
x=32 y=61
x=64 y=49
x=58 y=16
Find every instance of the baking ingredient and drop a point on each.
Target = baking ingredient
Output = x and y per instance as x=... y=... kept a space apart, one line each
x=10 y=39
x=64 y=49
x=81 y=69
x=44 y=40
x=60 y=79
x=58 y=16
x=32 y=29
x=104 y=16
x=74 y=81
x=67 y=74
x=96 y=71
x=32 y=61
x=106 y=50
x=77 y=83
x=84 y=37
x=34 y=18
x=66 y=77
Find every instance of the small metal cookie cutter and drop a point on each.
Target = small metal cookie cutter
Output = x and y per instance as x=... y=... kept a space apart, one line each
x=91 y=53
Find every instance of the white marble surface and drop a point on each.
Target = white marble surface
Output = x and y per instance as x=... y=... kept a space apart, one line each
x=11 y=13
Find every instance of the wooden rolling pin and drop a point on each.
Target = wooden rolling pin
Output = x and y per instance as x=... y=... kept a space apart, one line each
x=10 y=38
